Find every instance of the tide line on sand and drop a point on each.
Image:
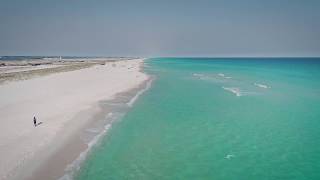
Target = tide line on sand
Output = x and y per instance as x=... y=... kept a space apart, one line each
x=75 y=165
x=131 y=102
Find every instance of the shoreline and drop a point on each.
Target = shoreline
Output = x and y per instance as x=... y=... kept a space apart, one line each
x=75 y=150
x=70 y=137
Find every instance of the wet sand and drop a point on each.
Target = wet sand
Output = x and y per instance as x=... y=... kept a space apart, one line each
x=66 y=103
x=66 y=160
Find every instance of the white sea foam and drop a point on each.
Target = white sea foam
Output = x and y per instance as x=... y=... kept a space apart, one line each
x=131 y=102
x=75 y=165
x=201 y=76
x=229 y=156
x=262 y=85
x=224 y=76
x=197 y=75
x=234 y=90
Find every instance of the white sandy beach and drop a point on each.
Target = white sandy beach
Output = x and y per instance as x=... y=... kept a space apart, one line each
x=55 y=100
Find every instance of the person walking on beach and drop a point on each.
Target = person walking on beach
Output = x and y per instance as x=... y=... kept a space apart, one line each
x=34 y=121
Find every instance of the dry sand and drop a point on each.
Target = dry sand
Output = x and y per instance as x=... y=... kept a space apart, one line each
x=64 y=103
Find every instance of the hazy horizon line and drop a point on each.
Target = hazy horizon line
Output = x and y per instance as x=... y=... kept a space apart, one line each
x=119 y=56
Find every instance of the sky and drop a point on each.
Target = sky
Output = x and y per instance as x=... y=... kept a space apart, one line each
x=149 y=28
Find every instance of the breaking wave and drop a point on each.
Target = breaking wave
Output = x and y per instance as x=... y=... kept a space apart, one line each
x=74 y=167
x=262 y=85
x=234 y=90
x=131 y=102
x=224 y=76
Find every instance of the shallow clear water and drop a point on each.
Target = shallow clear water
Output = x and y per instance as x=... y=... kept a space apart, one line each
x=217 y=119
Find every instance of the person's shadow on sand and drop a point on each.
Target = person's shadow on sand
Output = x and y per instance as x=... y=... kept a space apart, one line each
x=39 y=123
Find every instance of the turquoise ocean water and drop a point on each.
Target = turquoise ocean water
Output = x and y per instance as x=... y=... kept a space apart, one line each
x=222 y=119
